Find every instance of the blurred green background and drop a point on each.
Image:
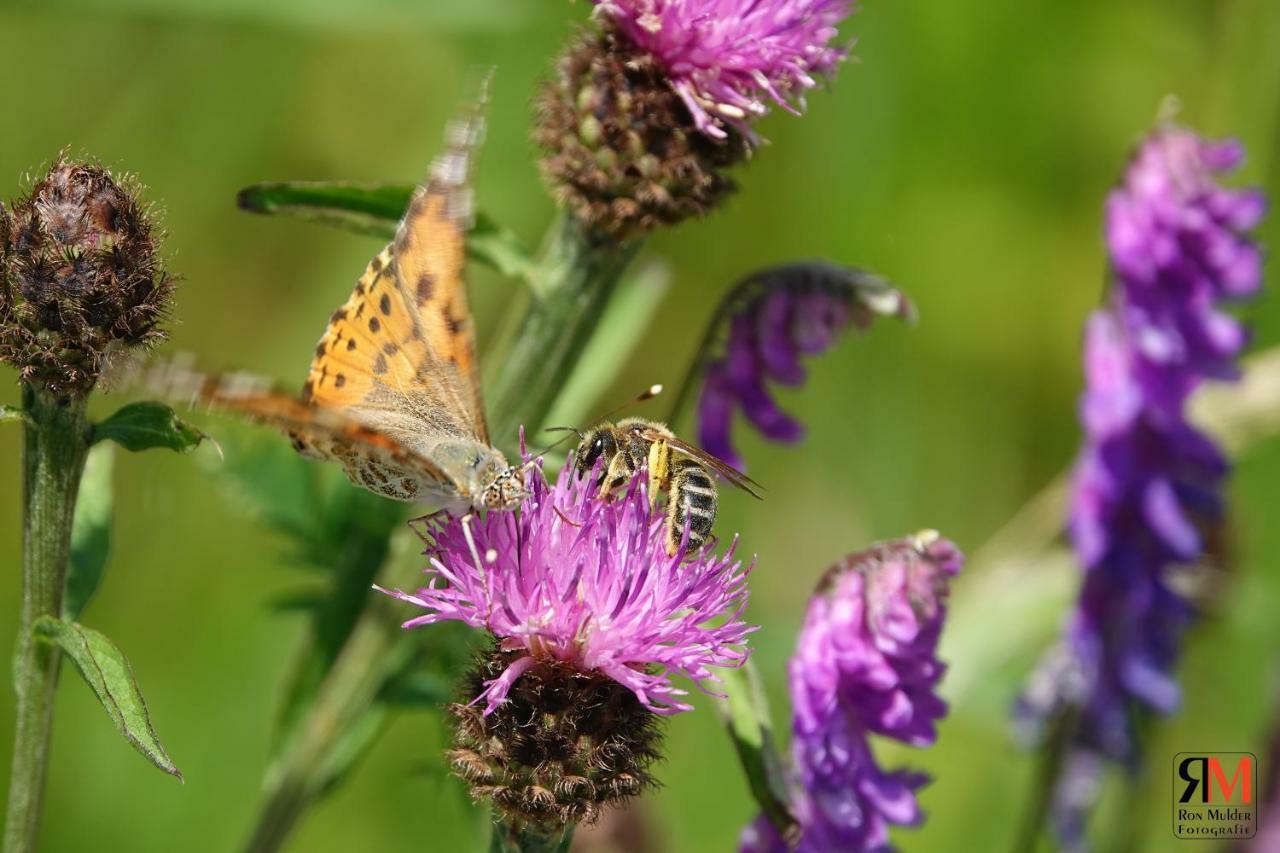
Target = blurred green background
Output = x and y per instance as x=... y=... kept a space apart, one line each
x=965 y=156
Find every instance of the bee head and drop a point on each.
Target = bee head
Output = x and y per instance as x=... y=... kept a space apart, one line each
x=596 y=444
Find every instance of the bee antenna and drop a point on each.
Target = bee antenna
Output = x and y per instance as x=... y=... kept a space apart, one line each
x=647 y=394
x=573 y=430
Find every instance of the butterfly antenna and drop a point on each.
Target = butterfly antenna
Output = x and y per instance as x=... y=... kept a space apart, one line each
x=532 y=460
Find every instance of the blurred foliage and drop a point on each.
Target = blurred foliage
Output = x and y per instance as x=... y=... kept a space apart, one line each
x=90 y=531
x=965 y=157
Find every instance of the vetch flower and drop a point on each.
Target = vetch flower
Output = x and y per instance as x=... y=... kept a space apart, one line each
x=591 y=619
x=865 y=663
x=729 y=59
x=79 y=278
x=1147 y=481
x=775 y=317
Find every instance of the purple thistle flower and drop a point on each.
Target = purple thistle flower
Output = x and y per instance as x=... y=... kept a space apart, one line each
x=727 y=58
x=1147 y=481
x=865 y=663
x=775 y=317
x=587 y=583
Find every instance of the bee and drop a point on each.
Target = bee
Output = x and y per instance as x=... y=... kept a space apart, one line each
x=676 y=467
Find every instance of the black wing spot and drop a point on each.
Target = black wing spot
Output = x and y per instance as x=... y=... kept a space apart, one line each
x=339 y=380
x=390 y=348
x=384 y=304
x=380 y=365
x=351 y=344
x=426 y=285
x=375 y=325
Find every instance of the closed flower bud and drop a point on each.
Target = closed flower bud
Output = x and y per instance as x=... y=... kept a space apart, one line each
x=79 y=278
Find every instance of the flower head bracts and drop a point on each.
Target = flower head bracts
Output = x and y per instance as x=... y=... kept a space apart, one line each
x=728 y=58
x=588 y=582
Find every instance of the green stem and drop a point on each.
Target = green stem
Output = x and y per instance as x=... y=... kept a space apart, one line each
x=55 y=447
x=375 y=650
x=509 y=839
x=1053 y=756
x=575 y=281
x=745 y=713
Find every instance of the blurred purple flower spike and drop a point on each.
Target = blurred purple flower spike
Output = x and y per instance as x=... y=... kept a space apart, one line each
x=775 y=317
x=865 y=663
x=1147 y=481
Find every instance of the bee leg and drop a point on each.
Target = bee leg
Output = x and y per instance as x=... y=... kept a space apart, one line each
x=616 y=475
x=659 y=471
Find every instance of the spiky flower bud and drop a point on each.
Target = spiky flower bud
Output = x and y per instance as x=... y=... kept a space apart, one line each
x=622 y=150
x=562 y=746
x=79 y=278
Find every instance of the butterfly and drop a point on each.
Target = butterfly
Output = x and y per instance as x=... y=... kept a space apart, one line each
x=393 y=392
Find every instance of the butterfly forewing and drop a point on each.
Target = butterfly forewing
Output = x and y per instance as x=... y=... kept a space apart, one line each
x=393 y=391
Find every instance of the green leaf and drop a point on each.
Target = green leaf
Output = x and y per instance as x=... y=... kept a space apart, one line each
x=419 y=690
x=499 y=248
x=12 y=414
x=375 y=210
x=746 y=715
x=108 y=674
x=142 y=426
x=90 y=532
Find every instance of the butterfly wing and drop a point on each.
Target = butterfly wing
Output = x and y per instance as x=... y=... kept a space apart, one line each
x=400 y=353
x=372 y=458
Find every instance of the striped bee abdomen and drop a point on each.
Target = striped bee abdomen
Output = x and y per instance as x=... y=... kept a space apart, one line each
x=692 y=498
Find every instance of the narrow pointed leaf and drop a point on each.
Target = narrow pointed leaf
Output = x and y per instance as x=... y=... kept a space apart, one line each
x=12 y=414
x=375 y=210
x=746 y=716
x=142 y=426
x=90 y=532
x=108 y=674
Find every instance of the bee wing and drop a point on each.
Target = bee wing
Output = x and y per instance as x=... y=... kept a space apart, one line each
x=724 y=469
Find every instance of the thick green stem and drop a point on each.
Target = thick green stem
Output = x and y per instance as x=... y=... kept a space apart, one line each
x=576 y=278
x=508 y=839
x=374 y=651
x=56 y=444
